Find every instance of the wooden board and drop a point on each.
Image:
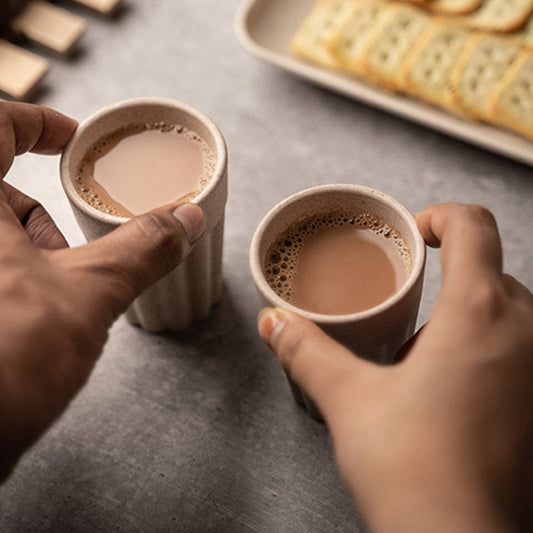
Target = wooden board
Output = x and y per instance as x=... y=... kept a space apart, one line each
x=49 y=26
x=20 y=70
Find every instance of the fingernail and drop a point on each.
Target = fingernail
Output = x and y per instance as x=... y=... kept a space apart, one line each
x=192 y=219
x=270 y=322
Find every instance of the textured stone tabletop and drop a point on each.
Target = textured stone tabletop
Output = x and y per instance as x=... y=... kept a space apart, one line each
x=197 y=431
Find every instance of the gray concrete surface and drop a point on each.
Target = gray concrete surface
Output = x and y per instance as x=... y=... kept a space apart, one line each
x=197 y=432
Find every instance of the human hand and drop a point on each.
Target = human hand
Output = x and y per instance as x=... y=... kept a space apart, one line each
x=441 y=441
x=56 y=303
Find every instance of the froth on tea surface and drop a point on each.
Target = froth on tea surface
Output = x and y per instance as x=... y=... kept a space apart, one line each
x=338 y=263
x=140 y=167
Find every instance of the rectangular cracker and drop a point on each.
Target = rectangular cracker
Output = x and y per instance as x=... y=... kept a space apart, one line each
x=49 y=26
x=480 y=70
x=512 y=104
x=350 y=41
x=399 y=30
x=500 y=15
x=20 y=70
x=322 y=22
x=428 y=69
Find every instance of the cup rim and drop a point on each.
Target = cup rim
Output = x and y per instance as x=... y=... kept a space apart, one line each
x=88 y=123
x=418 y=257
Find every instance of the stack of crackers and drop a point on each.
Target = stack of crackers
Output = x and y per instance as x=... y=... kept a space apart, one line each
x=471 y=57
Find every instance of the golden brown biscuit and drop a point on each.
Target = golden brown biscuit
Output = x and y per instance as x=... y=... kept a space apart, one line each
x=398 y=31
x=479 y=72
x=428 y=69
x=512 y=104
x=500 y=15
x=321 y=23
x=349 y=43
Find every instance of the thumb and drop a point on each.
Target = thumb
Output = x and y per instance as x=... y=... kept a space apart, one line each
x=138 y=253
x=329 y=373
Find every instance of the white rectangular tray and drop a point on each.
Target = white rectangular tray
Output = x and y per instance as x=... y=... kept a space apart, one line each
x=265 y=28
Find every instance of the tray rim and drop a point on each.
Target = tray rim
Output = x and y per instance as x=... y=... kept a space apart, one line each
x=491 y=138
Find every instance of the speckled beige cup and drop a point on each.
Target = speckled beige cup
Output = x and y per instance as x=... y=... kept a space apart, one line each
x=187 y=293
x=375 y=333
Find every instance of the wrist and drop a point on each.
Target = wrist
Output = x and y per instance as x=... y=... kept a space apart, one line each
x=441 y=504
x=438 y=487
x=442 y=515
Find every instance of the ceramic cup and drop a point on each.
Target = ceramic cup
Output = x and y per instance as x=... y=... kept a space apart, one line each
x=377 y=333
x=188 y=292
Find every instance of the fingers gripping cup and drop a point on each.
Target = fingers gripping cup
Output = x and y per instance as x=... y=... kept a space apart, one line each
x=347 y=257
x=137 y=155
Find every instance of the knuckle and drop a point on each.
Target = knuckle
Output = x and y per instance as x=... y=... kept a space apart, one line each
x=166 y=240
x=292 y=345
x=477 y=213
x=102 y=277
x=39 y=225
x=115 y=285
x=485 y=301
